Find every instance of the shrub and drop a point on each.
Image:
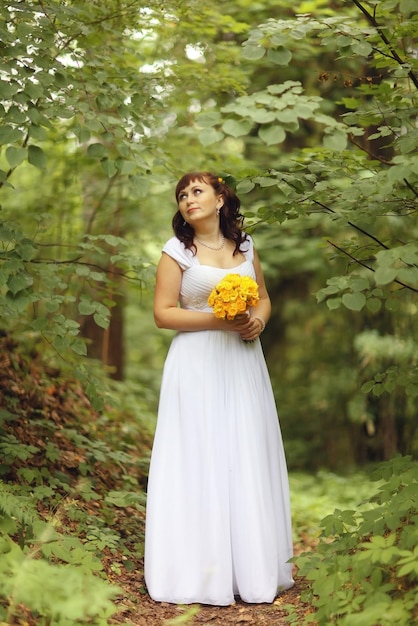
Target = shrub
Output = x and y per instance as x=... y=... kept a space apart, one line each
x=365 y=569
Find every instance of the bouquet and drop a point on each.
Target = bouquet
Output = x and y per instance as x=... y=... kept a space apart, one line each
x=234 y=294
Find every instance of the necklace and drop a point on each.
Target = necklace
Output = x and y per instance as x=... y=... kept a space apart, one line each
x=202 y=243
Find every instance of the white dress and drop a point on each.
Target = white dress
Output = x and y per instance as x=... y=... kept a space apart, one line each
x=218 y=513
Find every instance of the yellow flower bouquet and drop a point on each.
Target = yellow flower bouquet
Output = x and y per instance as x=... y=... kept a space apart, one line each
x=234 y=294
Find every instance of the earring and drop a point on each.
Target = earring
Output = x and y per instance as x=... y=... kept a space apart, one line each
x=184 y=222
x=218 y=211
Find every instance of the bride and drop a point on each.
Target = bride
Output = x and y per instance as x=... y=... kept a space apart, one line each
x=218 y=513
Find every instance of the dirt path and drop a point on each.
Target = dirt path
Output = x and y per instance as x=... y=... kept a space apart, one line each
x=137 y=609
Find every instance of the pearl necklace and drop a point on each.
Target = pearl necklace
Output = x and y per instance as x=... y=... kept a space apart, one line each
x=202 y=243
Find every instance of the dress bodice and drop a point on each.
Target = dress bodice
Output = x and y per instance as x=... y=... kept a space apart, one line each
x=199 y=280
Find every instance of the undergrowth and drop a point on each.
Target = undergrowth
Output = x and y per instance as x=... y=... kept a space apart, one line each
x=364 y=571
x=71 y=502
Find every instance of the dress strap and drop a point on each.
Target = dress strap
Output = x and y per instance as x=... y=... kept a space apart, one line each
x=176 y=250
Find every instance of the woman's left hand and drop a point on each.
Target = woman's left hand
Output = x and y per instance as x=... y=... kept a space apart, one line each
x=253 y=329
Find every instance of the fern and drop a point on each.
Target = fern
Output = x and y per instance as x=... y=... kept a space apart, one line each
x=51 y=574
x=17 y=514
x=65 y=594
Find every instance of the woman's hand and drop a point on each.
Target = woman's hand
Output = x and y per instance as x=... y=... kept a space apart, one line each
x=248 y=327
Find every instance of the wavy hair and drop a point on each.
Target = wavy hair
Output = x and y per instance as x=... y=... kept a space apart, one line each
x=230 y=219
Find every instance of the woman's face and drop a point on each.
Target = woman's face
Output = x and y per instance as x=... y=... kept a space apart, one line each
x=198 y=201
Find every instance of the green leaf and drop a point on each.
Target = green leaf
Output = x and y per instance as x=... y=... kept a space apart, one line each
x=236 y=129
x=272 y=135
x=280 y=56
x=26 y=250
x=82 y=133
x=141 y=184
x=19 y=282
x=333 y=303
x=208 y=119
x=367 y=387
x=407 y=7
x=86 y=307
x=385 y=275
x=17 y=303
x=359 y=284
x=262 y=116
x=336 y=141
x=126 y=167
x=374 y=304
x=209 y=136
x=38 y=133
x=79 y=347
x=287 y=116
x=39 y=324
x=354 y=301
x=245 y=186
x=8 y=89
x=96 y=150
x=362 y=48
x=8 y=134
x=122 y=498
x=37 y=157
x=109 y=167
x=253 y=53
x=15 y=156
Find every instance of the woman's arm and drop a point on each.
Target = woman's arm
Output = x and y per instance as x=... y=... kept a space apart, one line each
x=263 y=309
x=259 y=315
x=167 y=313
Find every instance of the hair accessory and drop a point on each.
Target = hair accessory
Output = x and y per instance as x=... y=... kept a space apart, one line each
x=220 y=179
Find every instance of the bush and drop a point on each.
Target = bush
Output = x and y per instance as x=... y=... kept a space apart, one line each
x=365 y=569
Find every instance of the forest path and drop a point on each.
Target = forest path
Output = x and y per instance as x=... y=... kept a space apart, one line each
x=138 y=609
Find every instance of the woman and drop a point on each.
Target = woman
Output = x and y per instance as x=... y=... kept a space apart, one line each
x=218 y=514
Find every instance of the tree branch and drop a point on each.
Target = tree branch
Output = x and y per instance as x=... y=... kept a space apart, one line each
x=358 y=228
x=369 y=152
x=372 y=20
x=368 y=267
x=408 y=184
x=76 y=261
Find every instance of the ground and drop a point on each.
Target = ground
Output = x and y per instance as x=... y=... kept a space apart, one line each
x=140 y=610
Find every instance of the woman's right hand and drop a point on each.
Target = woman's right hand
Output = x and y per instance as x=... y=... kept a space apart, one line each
x=239 y=324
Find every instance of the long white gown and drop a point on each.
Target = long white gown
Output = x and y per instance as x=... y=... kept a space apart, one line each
x=218 y=513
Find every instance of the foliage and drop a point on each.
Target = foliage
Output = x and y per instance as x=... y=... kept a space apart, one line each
x=87 y=99
x=68 y=497
x=364 y=570
x=352 y=185
x=313 y=496
x=349 y=184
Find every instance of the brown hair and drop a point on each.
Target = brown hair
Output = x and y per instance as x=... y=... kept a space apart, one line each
x=230 y=219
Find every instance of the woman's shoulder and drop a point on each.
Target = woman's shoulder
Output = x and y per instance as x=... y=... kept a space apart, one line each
x=173 y=243
x=177 y=250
